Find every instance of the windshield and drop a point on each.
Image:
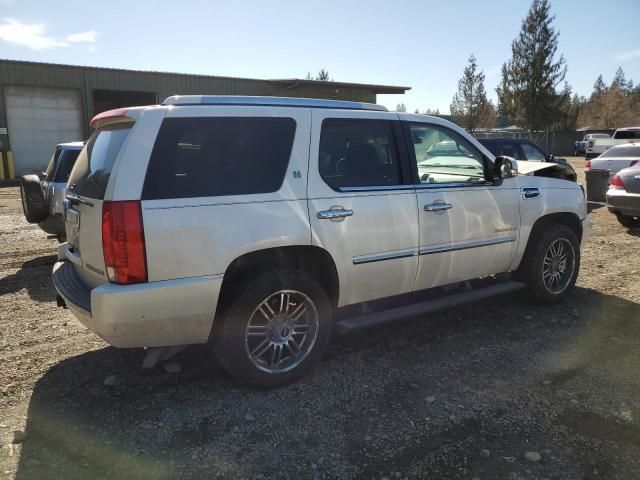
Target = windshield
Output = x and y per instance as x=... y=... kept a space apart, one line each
x=622 y=151
x=91 y=172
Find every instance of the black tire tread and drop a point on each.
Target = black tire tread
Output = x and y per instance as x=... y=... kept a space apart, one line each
x=629 y=221
x=34 y=205
x=539 y=242
x=235 y=306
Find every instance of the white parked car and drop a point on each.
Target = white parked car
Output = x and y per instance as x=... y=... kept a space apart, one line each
x=598 y=146
x=615 y=159
x=260 y=224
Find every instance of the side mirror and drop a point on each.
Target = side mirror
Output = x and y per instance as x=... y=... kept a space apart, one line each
x=503 y=168
x=551 y=157
x=417 y=139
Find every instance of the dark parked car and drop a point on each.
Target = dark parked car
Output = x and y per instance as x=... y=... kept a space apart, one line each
x=623 y=197
x=523 y=149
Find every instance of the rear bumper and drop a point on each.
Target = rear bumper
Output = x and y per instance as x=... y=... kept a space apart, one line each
x=53 y=225
x=170 y=312
x=623 y=202
x=587 y=227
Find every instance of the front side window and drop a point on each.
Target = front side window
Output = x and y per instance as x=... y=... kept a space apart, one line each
x=358 y=153
x=533 y=153
x=443 y=156
x=218 y=156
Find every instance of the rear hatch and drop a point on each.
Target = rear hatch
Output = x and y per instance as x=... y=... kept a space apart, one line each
x=86 y=195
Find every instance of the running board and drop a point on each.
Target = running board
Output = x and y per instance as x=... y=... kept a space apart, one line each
x=354 y=324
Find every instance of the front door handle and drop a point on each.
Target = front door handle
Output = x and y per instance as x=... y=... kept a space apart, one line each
x=437 y=207
x=334 y=214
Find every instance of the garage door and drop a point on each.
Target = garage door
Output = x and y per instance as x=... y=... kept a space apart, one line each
x=38 y=119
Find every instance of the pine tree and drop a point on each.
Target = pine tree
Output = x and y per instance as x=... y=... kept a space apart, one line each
x=401 y=107
x=620 y=81
x=599 y=87
x=529 y=79
x=470 y=108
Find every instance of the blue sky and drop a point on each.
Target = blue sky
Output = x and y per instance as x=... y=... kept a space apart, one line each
x=422 y=44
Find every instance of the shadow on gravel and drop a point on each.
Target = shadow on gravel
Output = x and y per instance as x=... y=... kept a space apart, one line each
x=186 y=425
x=35 y=276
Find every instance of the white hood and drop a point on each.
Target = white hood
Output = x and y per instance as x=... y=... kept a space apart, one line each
x=528 y=167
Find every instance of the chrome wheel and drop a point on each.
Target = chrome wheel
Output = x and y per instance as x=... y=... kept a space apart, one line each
x=281 y=331
x=558 y=266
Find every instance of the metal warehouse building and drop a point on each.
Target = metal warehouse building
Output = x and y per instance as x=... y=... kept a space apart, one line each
x=43 y=104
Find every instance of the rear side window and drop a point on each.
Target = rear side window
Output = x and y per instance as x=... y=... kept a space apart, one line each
x=217 y=156
x=90 y=174
x=66 y=161
x=621 y=152
x=628 y=134
x=358 y=153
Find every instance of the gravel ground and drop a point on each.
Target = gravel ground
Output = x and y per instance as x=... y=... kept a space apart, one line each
x=499 y=390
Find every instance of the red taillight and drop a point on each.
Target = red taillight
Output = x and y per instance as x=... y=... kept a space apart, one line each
x=587 y=165
x=616 y=183
x=123 y=242
x=590 y=144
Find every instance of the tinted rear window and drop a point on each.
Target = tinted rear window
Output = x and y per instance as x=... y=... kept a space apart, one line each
x=66 y=161
x=217 y=156
x=627 y=134
x=90 y=174
x=358 y=153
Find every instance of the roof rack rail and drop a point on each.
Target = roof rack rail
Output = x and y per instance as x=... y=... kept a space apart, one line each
x=269 y=101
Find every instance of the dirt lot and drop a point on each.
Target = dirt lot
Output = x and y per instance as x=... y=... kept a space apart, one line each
x=464 y=394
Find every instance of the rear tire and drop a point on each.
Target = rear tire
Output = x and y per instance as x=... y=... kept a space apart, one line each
x=551 y=263
x=629 y=221
x=273 y=329
x=34 y=205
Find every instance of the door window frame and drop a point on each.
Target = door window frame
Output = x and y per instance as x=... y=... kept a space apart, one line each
x=408 y=141
x=403 y=160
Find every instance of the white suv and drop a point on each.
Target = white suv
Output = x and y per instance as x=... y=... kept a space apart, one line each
x=261 y=224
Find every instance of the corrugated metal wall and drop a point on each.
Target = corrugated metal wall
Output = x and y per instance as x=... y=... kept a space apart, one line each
x=87 y=79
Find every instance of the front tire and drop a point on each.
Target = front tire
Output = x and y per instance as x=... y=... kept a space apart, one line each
x=273 y=329
x=551 y=264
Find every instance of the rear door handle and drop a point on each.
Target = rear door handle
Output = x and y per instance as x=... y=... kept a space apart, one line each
x=437 y=207
x=334 y=214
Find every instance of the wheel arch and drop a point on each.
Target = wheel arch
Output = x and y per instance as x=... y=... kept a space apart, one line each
x=569 y=219
x=313 y=260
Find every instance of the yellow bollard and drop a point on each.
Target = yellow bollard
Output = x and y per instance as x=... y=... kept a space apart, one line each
x=10 y=170
x=1 y=167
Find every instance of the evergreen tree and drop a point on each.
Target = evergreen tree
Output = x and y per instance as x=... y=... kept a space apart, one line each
x=529 y=79
x=401 y=107
x=599 y=87
x=620 y=81
x=470 y=107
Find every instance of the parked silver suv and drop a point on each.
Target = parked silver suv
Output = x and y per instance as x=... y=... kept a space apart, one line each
x=261 y=224
x=43 y=198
